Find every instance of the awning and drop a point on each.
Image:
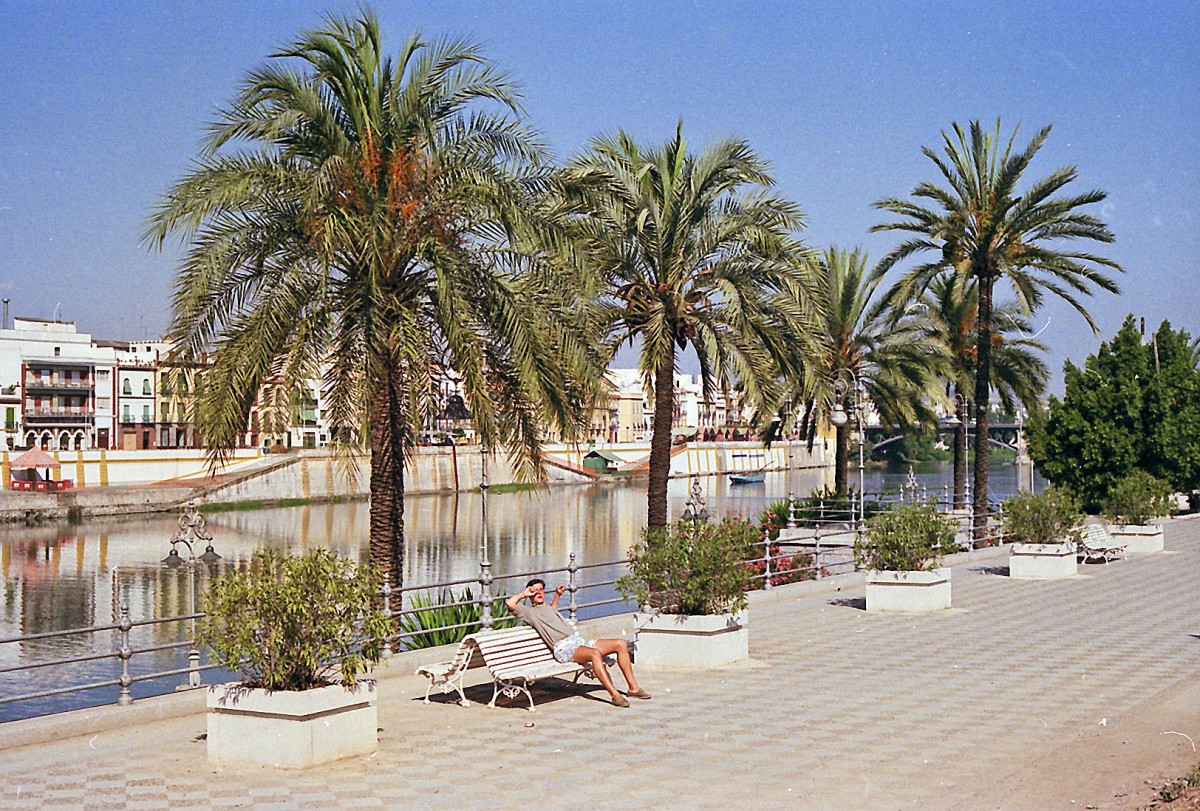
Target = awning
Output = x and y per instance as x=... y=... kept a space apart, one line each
x=34 y=458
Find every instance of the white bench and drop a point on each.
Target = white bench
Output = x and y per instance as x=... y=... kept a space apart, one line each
x=1096 y=544
x=515 y=658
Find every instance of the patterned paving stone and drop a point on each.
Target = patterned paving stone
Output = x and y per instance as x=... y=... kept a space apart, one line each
x=839 y=709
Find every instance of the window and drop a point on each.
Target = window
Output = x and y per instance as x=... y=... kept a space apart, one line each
x=10 y=418
x=125 y=413
x=57 y=351
x=145 y=413
x=126 y=387
x=146 y=386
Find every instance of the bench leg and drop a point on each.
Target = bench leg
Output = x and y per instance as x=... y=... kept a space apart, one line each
x=510 y=689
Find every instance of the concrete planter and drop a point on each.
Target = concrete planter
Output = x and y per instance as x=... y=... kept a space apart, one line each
x=684 y=640
x=290 y=730
x=1139 y=539
x=1042 y=561
x=916 y=592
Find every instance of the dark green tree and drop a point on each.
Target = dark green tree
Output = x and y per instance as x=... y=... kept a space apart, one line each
x=1134 y=406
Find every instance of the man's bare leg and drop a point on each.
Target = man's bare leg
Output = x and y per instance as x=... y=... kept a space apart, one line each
x=585 y=655
x=619 y=648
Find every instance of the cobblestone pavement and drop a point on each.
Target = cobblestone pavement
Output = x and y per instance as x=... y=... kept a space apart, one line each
x=837 y=709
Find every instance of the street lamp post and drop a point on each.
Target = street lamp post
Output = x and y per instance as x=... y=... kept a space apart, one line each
x=839 y=418
x=961 y=406
x=191 y=532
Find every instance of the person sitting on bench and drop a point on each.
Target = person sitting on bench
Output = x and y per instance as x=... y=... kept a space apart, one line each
x=567 y=645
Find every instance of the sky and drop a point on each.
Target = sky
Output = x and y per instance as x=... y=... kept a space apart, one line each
x=104 y=106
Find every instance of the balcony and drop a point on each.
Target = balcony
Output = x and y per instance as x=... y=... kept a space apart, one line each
x=56 y=383
x=66 y=416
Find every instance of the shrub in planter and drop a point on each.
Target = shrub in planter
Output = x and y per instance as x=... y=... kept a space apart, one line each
x=694 y=567
x=694 y=578
x=1136 y=499
x=904 y=539
x=294 y=623
x=294 y=627
x=1050 y=517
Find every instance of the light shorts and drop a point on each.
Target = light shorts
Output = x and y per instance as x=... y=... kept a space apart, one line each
x=564 y=649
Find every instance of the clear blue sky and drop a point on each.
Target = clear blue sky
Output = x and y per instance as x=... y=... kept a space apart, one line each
x=104 y=105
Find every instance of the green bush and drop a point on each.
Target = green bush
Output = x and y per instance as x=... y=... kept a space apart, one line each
x=1050 y=517
x=1136 y=499
x=432 y=613
x=694 y=567
x=904 y=539
x=293 y=623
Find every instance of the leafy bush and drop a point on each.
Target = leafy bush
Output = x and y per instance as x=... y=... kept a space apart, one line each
x=433 y=613
x=784 y=568
x=904 y=539
x=1136 y=499
x=1050 y=517
x=694 y=567
x=294 y=623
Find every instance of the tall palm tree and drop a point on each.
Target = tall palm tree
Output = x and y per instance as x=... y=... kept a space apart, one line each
x=688 y=250
x=978 y=226
x=894 y=359
x=360 y=219
x=949 y=310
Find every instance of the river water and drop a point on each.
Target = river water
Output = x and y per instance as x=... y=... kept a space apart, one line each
x=61 y=577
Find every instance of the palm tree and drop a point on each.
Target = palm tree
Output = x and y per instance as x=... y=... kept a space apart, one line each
x=359 y=219
x=688 y=250
x=895 y=360
x=1018 y=374
x=979 y=227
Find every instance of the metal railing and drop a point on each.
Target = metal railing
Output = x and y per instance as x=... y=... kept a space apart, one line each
x=816 y=542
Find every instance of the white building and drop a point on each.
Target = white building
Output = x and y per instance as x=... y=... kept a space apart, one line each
x=58 y=383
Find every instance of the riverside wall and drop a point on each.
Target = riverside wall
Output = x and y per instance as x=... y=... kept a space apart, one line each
x=160 y=481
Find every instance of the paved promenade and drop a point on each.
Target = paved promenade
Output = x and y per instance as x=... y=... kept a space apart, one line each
x=1026 y=695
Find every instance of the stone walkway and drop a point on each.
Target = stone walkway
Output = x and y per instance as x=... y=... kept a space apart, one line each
x=1025 y=695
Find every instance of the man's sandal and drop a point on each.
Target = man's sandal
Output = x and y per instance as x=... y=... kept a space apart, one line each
x=639 y=693
x=620 y=701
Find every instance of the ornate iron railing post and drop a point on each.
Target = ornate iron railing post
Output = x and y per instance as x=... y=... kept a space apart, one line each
x=485 y=565
x=791 y=516
x=386 y=593
x=485 y=594
x=125 y=698
x=767 y=561
x=572 y=586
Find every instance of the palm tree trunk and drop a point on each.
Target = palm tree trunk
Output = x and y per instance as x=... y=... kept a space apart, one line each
x=841 y=459
x=660 y=443
x=960 y=449
x=387 y=477
x=983 y=376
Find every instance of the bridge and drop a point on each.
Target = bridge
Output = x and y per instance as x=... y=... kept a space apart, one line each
x=1008 y=435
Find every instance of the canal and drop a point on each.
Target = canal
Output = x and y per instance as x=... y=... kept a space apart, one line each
x=61 y=577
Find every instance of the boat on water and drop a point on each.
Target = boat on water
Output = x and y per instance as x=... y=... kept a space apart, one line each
x=752 y=477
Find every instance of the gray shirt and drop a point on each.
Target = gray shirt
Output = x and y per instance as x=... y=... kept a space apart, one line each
x=550 y=625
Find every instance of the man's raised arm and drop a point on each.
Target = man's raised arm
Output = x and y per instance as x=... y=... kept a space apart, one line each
x=515 y=600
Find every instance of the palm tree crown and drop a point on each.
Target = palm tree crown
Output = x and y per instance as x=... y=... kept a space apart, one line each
x=362 y=219
x=688 y=250
x=978 y=226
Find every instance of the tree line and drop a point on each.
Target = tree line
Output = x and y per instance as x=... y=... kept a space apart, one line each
x=373 y=217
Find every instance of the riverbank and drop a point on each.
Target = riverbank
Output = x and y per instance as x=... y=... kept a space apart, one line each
x=318 y=476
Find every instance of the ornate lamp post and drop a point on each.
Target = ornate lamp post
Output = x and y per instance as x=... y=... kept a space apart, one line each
x=191 y=532
x=960 y=447
x=839 y=418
